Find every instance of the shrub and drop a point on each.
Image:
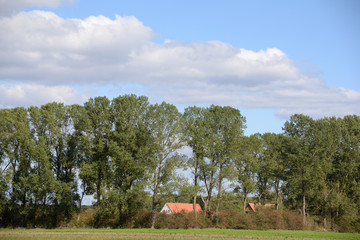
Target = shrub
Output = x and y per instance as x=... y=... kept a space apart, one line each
x=83 y=219
x=267 y=218
x=293 y=221
x=142 y=219
x=263 y=218
x=237 y=220
x=105 y=216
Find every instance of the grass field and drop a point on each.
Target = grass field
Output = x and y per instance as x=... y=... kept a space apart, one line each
x=167 y=234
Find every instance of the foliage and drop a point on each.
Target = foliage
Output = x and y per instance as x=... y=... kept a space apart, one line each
x=165 y=126
x=128 y=155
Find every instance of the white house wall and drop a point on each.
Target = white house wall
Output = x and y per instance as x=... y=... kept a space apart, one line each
x=166 y=209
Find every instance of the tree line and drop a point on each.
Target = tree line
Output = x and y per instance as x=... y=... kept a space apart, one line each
x=129 y=155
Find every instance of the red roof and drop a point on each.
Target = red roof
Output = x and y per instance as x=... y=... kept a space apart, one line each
x=252 y=205
x=183 y=207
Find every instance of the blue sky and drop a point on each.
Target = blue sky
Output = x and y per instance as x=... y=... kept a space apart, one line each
x=270 y=59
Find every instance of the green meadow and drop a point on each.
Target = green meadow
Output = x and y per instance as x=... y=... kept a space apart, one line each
x=168 y=234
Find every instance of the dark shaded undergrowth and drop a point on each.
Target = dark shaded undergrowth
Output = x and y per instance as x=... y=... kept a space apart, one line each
x=263 y=219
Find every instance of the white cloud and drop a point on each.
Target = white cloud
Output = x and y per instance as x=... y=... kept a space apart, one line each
x=9 y=7
x=14 y=95
x=44 y=49
x=211 y=62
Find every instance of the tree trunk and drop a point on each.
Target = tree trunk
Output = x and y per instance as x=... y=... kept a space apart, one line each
x=218 y=201
x=304 y=209
x=81 y=199
x=195 y=184
x=98 y=187
x=324 y=211
x=259 y=198
x=153 y=212
x=44 y=199
x=207 y=202
x=277 y=195
x=195 y=207
x=205 y=205
x=245 y=198
x=304 y=198
x=98 y=194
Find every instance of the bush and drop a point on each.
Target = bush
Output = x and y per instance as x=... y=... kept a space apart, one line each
x=142 y=219
x=236 y=220
x=83 y=219
x=182 y=221
x=293 y=220
x=263 y=218
x=105 y=216
x=267 y=218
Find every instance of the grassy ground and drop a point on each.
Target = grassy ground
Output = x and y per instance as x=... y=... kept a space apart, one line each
x=167 y=234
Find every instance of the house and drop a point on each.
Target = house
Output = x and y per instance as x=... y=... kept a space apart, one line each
x=251 y=207
x=175 y=208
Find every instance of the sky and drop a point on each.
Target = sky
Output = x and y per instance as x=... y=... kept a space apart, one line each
x=270 y=59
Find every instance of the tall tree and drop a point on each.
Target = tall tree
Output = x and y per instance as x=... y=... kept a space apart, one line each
x=18 y=150
x=346 y=175
x=226 y=128
x=130 y=149
x=79 y=152
x=52 y=124
x=42 y=177
x=263 y=173
x=246 y=164
x=166 y=128
x=196 y=132
x=96 y=168
x=327 y=137
x=301 y=159
x=270 y=171
x=4 y=162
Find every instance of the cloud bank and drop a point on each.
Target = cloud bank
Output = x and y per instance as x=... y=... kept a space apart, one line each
x=9 y=7
x=40 y=51
x=32 y=95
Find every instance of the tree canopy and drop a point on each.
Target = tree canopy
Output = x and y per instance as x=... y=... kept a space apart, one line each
x=130 y=156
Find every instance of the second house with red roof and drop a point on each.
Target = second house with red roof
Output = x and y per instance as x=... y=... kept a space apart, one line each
x=176 y=208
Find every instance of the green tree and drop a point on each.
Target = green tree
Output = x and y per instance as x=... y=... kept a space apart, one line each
x=96 y=129
x=18 y=150
x=81 y=151
x=346 y=176
x=42 y=178
x=5 y=163
x=270 y=170
x=130 y=150
x=166 y=128
x=53 y=130
x=301 y=159
x=246 y=165
x=196 y=132
x=226 y=128
x=327 y=137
